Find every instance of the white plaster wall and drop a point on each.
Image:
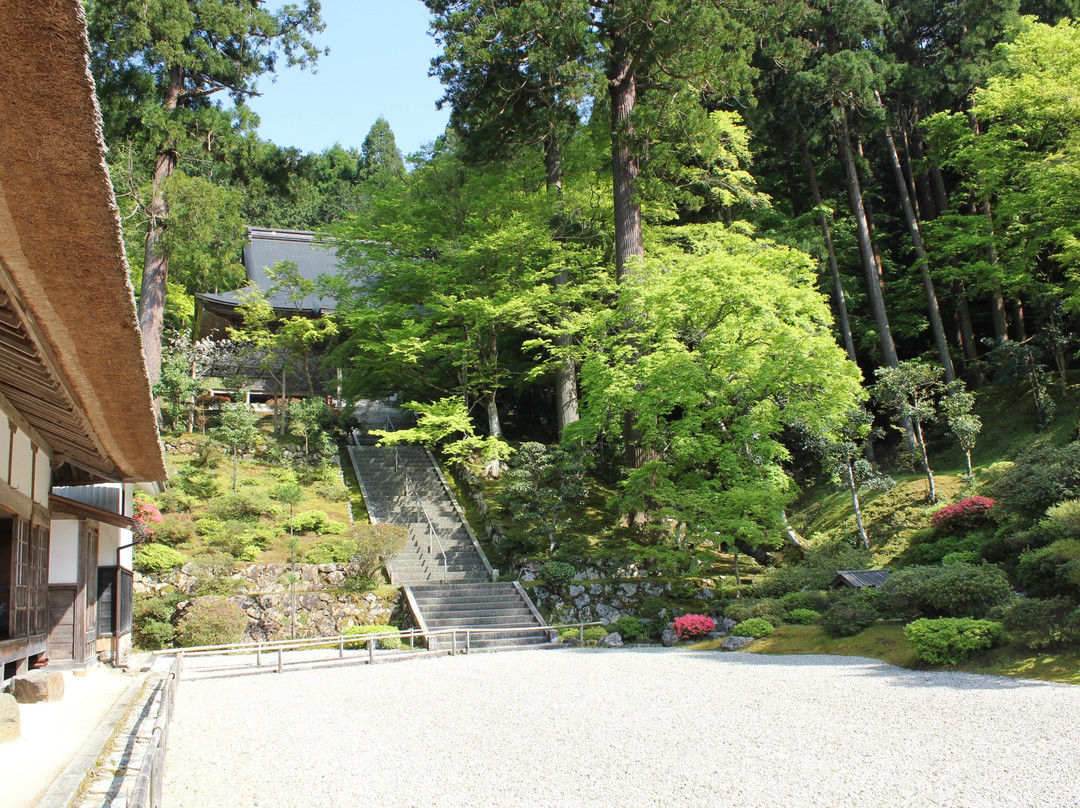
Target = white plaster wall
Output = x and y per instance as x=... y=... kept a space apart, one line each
x=64 y=551
x=22 y=464
x=126 y=554
x=5 y=446
x=43 y=483
x=108 y=541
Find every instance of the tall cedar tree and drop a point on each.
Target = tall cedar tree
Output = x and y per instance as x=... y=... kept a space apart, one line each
x=160 y=66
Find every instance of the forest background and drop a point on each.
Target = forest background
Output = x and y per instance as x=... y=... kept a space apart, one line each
x=633 y=231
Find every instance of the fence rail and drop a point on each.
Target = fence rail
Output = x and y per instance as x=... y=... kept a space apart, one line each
x=458 y=639
x=146 y=793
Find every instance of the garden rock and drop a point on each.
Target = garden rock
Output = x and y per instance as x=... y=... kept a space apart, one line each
x=38 y=687
x=668 y=638
x=612 y=640
x=607 y=613
x=724 y=626
x=9 y=718
x=736 y=643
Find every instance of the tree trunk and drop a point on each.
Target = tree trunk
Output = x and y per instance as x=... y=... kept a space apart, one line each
x=997 y=299
x=494 y=467
x=936 y=326
x=629 y=246
x=738 y=580
x=971 y=471
x=967 y=337
x=566 y=394
x=235 y=465
x=863 y=537
x=1018 y=320
x=155 y=262
x=826 y=234
x=932 y=495
x=866 y=250
x=870 y=267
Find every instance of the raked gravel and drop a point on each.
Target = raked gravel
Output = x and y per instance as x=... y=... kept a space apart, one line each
x=634 y=728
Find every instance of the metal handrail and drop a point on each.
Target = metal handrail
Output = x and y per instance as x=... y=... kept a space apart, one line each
x=146 y=793
x=432 y=531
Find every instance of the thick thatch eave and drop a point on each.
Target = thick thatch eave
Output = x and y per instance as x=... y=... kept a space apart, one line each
x=68 y=303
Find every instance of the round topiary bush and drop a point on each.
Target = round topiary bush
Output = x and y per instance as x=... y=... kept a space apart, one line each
x=803 y=617
x=951 y=640
x=754 y=627
x=693 y=625
x=557 y=573
x=211 y=621
x=157 y=558
x=630 y=628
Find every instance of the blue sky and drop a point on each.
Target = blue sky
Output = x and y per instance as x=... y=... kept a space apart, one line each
x=380 y=52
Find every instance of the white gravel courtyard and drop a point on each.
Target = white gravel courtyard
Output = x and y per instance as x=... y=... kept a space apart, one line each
x=627 y=728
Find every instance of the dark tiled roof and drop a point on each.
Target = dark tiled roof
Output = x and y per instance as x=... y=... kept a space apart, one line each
x=861 y=578
x=312 y=255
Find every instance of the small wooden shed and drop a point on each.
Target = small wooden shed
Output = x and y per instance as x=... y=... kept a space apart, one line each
x=859 y=579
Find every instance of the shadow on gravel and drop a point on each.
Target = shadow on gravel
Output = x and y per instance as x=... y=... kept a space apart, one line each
x=855 y=666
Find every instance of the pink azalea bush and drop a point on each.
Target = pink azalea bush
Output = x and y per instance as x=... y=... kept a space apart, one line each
x=963 y=515
x=146 y=513
x=693 y=625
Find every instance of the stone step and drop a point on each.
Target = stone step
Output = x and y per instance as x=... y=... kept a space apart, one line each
x=508 y=621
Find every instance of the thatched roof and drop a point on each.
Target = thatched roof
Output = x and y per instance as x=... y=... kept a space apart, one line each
x=70 y=349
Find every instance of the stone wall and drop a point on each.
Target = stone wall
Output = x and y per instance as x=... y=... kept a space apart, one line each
x=586 y=601
x=310 y=599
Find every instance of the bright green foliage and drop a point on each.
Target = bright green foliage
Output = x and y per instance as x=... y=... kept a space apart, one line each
x=803 y=617
x=542 y=489
x=151 y=619
x=956 y=406
x=557 y=573
x=731 y=344
x=390 y=642
x=316 y=521
x=380 y=162
x=445 y=425
x=754 y=627
x=912 y=390
x=237 y=428
x=956 y=590
x=950 y=641
x=1042 y=625
x=157 y=558
x=630 y=628
x=1052 y=571
x=211 y=621
x=307 y=418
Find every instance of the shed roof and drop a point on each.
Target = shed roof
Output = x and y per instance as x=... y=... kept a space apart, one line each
x=312 y=254
x=860 y=578
x=70 y=349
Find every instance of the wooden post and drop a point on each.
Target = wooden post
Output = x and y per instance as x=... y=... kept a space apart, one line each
x=280 y=663
x=258 y=655
x=341 y=647
x=467 y=642
x=371 y=652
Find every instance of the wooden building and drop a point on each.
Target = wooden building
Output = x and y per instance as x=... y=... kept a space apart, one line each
x=75 y=403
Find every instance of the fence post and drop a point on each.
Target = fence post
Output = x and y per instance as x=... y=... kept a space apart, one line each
x=258 y=655
x=371 y=652
x=341 y=648
x=453 y=641
x=467 y=641
x=280 y=663
x=581 y=632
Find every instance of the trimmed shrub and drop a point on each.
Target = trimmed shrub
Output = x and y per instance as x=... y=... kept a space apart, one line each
x=198 y=484
x=815 y=600
x=849 y=616
x=754 y=627
x=693 y=625
x=1040 y=478
x=746 y=608
x=803 y=617
x=174 y=530
x=951 y=640
x=1041 y=625
x=211 y=621
x=311 y=521
x=557 y=573
x=593 y=634
x=630 y=628
x=157 y=558
x=151 y=620
x=1067 y=516
x=1052 y=571
x=244 y=506
x=966 y=514
x=386 y=643
x=965 y=590
x=932 y=552
x=174 y=500
x=959 y=557
x=956 y=590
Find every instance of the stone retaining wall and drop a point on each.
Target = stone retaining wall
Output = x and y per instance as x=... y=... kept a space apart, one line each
x=283 y=599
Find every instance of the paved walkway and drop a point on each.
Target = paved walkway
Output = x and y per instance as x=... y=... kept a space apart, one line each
x=59 y=734
x=632 y=727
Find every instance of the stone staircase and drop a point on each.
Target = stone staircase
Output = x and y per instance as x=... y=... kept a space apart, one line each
x=447 y=578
